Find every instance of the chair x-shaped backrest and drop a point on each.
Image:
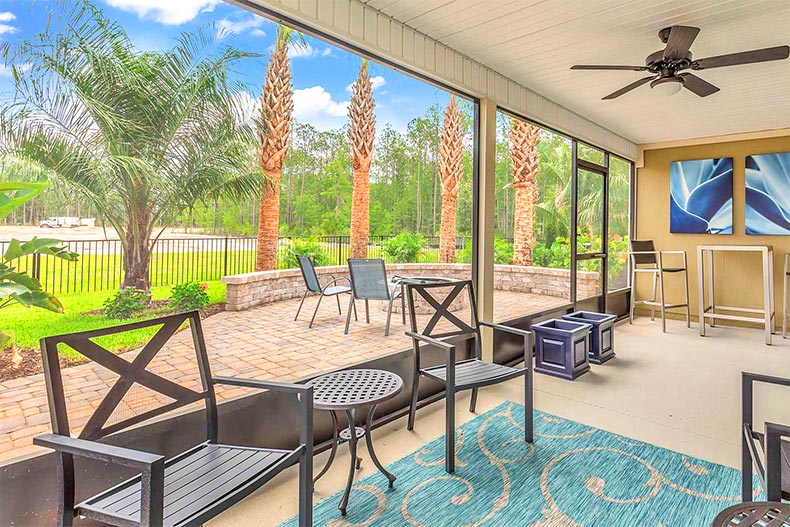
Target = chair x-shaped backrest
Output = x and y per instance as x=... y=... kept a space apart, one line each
x=130 y=373
x=440 y=296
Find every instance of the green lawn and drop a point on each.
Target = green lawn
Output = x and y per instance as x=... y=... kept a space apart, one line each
x=31 y=324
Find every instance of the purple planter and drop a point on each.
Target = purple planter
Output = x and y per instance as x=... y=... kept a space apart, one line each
x=562 y=348
x=602 y=346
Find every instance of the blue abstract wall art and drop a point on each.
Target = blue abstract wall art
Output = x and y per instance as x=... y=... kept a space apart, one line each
x=701 y=196
x=768 y=194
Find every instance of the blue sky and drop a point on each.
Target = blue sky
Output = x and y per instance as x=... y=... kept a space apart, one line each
x=322 y=73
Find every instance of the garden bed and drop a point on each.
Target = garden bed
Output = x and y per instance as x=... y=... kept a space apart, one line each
x=31 y=363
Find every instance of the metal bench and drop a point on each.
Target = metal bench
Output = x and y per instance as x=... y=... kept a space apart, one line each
x=188 y=489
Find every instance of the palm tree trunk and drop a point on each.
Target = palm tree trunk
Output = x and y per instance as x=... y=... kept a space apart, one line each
x=269 y=225
x=523 y=223
x=137 y=260
x=360 y=215
x=447 y=232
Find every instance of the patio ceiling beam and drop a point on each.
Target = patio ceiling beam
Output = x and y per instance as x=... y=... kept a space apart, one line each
x=363 y=29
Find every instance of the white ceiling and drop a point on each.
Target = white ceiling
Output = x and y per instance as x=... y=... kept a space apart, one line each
x=535 y=42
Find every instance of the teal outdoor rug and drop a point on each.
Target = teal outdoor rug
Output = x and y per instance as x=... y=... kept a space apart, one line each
x=572 y=476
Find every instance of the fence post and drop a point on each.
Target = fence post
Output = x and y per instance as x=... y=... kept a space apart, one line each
x=225 y=258
x=36 y=266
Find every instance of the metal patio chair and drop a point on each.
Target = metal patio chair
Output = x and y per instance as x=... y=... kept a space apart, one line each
x=768 y=452
x=313 y=285
x=646 y=259
x=467 y=374
x=369 y=282
x=188 y=489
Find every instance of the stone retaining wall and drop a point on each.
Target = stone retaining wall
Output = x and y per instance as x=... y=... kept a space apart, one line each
x=253 y=289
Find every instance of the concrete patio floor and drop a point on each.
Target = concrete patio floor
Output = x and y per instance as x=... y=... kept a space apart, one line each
x=262 y=342
x=676 y=390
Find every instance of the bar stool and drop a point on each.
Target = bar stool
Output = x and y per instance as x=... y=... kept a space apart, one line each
x=646 y=259
x=786 y=305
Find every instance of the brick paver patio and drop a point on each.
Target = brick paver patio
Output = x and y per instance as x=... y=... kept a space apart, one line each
x=263 y=342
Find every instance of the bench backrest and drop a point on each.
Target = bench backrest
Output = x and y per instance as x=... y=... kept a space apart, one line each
x=116 y=375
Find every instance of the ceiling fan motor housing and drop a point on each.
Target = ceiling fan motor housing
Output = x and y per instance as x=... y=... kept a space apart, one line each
x=655 y=62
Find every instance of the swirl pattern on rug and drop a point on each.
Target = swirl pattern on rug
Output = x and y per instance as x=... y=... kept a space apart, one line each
x=573 y=475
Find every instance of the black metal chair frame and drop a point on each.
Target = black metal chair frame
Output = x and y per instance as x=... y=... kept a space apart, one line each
x=643 y=252
x=470 y=374
x=392 y=295
x=758 y=448
x=331 y=288
x=149 y=491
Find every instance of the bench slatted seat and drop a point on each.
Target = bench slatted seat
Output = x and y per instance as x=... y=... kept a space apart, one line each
x=470 y=374
x=189 y=488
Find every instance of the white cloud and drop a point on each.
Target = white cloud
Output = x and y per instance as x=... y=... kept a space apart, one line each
x=307 y=51
x=376 y=82
x=246 y=107
x=5 y=71
x=315 y=106
x=7 y=16
x=5 y=28
x=169 y=12
x=241 y=26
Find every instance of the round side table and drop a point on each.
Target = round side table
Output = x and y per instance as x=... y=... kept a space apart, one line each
x=754 y=514
x=346 y=391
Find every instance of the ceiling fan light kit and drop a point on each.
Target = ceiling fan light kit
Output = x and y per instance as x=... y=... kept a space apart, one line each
x=666 y=65
x=667 y=85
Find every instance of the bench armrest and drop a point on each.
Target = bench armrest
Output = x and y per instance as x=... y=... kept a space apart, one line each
x=305 y=391
x=288 y=387
x=151 y=467
x=91 y=449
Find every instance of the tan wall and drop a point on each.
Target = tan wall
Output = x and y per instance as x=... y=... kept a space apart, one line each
x=737 y=275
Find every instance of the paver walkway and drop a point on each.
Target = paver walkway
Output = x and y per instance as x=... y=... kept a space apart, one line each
x=263 y=343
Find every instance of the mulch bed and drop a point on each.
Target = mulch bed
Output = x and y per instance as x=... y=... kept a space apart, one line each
x=31 y=358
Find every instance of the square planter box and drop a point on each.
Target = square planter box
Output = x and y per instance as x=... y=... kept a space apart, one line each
x=562 y=348
x=602 y=346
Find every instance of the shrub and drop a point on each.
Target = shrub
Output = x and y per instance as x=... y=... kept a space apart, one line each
x=126 y=303
x=403 y=248
x=503 y=252
x=307 y=246
x=189 y=296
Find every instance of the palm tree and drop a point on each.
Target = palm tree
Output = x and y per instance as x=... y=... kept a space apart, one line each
x=141 y=135
x=451 y=170
x=275 y=137
x=524 y=139
x=361 y=133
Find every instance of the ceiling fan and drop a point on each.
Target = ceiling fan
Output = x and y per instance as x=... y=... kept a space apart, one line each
x=665 y=65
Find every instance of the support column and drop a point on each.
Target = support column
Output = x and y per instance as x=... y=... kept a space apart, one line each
x=486 y=201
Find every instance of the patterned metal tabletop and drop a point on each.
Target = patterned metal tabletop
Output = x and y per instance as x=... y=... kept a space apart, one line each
x=347 y=389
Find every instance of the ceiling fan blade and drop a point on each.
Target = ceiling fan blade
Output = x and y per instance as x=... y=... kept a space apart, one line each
x=628 y=88
x=598 y=67
x=744 y=57
x=679 y=42
x=697 y=85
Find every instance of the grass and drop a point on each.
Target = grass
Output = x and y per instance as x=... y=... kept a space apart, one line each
x=31 y=324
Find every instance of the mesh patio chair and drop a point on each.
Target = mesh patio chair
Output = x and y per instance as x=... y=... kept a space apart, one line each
x=313 y=285
x=467 y=374
x=646 y=259
x=369 y=282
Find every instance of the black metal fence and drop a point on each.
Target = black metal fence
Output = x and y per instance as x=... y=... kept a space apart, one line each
x=195 y=259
